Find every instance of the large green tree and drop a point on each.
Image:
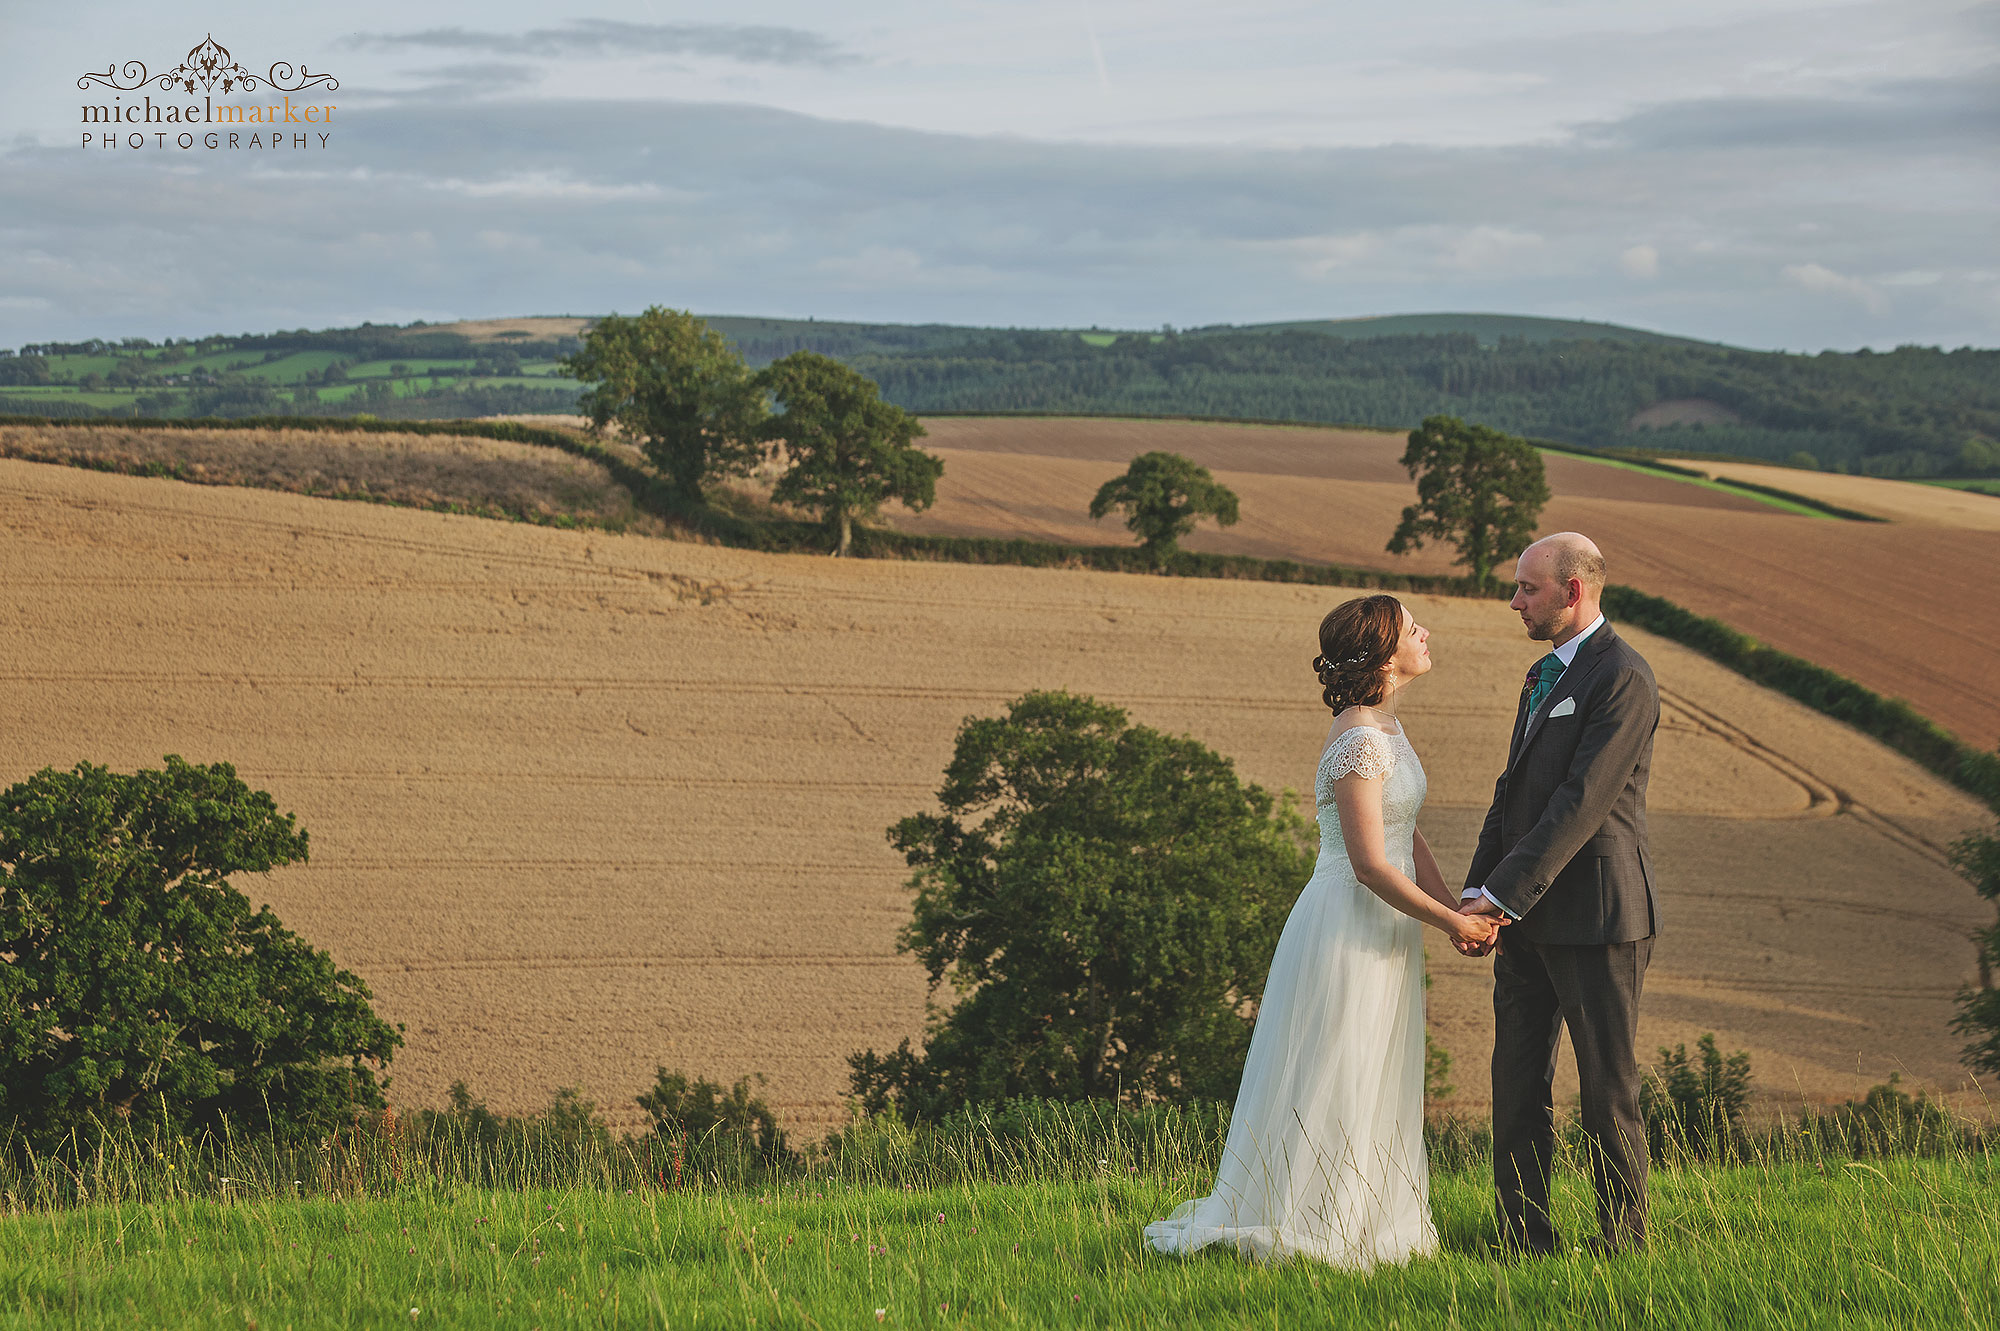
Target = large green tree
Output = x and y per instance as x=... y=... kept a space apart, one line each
x=139 y=986
x=1478 y=490
x=676 y=386
x=1103 y=899
x=1164 y=495
x=850 y=452
x=1978 y=857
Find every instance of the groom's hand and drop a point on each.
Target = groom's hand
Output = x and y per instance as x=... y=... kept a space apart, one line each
x=1480 y=905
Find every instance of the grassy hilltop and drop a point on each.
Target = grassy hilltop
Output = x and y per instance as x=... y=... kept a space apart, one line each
x=982 y=1229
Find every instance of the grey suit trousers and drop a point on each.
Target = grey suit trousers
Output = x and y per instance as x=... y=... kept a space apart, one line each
x=1593 y=989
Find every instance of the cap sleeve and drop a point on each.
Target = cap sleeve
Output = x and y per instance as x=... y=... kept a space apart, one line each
x=1360 y=751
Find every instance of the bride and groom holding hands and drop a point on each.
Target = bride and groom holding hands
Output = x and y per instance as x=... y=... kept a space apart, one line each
x=1325 y=1154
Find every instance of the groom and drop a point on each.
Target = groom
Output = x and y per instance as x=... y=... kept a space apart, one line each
x=1563 y=856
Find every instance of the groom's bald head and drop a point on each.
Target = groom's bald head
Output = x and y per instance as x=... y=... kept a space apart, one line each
x=1558 y=581
x=1575 y=556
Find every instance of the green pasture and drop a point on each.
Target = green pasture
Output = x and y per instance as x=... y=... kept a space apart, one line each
x=1900 y=1243
x=1782 y=505
x=75 y=367
x=1985 y=485
x=103 y=398
x=381 y=369
x=292 y=368
x=1106 y=339
x=413 y=387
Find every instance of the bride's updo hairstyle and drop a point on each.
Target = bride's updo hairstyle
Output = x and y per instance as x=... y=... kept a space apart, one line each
x=1356 y=641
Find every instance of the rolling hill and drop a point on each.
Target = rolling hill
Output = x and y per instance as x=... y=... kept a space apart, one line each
x=585 y=804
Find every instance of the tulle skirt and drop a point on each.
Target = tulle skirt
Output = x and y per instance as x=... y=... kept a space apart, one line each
x=1325 y=1157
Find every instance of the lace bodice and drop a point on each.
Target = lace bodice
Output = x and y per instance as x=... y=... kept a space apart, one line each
x=1369 y=752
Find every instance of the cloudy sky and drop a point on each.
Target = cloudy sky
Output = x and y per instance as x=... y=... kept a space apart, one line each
x=1769 y=173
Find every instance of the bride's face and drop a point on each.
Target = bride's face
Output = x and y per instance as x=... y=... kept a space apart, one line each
x=1413 y=651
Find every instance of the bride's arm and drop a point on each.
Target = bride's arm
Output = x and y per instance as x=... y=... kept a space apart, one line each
x=1359 y=799
x=1428 y=877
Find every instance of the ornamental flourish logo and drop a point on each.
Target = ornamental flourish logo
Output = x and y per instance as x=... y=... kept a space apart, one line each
x=212 y=71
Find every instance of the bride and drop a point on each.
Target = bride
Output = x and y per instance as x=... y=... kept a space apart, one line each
x=1325 y=1156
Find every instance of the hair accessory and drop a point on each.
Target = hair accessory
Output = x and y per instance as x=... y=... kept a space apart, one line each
x=1322 y=663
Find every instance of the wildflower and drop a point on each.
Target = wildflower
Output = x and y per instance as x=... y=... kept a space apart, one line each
x=413 y=1313
x=854 y=1238
x=880 y=1313
x=940 y=1217
x=413 y=1250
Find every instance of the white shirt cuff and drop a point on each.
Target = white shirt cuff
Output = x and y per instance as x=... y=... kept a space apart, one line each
x=1472 y=892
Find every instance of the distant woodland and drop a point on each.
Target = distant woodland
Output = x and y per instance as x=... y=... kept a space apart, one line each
x=1915 y=411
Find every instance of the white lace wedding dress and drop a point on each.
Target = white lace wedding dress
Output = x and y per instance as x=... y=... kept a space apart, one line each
x=1325 y=1157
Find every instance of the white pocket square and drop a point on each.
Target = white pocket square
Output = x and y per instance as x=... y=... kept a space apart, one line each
x=1567 y=707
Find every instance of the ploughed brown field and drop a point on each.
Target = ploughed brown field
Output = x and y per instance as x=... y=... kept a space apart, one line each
x=1910 y=608
x=584 y=804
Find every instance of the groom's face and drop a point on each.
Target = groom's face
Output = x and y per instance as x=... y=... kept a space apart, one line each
x=1540 y=598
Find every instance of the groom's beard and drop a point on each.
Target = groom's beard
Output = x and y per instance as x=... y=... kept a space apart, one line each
x=1541 y=630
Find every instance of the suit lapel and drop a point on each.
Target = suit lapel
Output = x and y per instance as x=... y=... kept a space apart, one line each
x=1520 y=723
x=1587 y=658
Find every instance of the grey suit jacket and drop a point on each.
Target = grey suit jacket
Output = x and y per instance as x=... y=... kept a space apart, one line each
x=1564 y=844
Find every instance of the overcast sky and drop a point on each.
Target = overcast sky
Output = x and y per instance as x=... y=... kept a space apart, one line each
x=1770 y=173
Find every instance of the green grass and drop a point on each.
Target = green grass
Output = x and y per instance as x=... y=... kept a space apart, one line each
x=1106 y=339
x=1985 y=485
x=1897 y=1243
x=291 y=369
x=1781 y=504
x=380 y=369
x=104 y=398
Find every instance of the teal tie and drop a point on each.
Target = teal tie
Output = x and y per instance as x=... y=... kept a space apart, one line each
x=1547 y=671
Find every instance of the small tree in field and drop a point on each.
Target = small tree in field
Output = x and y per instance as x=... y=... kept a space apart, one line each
x=1477 y=489
x=850 y=451
x=691 y=1111
x=1978 y=858
x=1103 y=899
x=139 y=986
x=1163 y=496
x=1696 y=1109
x=672 y=383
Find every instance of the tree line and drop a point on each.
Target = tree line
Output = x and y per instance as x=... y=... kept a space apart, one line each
x=1913 y=411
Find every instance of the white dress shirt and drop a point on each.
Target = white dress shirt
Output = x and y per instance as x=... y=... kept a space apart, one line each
x=1566 y=654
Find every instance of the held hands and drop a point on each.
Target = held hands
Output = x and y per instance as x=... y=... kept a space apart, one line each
x=1477 y=929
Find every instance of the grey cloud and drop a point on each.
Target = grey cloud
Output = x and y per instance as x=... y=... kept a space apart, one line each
x=1920 y=115
x=748 y=43
x=503 y=207
x=470 y=78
